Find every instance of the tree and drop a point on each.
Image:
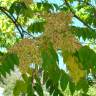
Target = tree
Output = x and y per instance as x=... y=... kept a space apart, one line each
x=33 y=32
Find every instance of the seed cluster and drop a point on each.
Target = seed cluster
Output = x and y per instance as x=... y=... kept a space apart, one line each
x=27 y=52
x=75 y=70
x=57 y=30
x=57 y=22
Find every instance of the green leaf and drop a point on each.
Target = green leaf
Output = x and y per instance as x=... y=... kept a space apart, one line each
x=39 y=5
x=39 y=89
x=87 y=57
x=51 y=89
x=19 y=88
x=17 y=7
x=55 y=93
x=47 y=6
x=83 y=94
x=72 y=87
x=38 y=86
x=50 y=63
x=48 y=83
x=36 y=27
x=83 y=84
x=30 y=91
x=7 y=63
x=24 y=86
x=64 y=80
x=45 y=77
x=24 y=76
x=83 y=32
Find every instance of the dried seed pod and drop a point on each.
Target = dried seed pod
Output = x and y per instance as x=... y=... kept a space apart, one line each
x=75 y=70
x=58 y=22
x=28 y=53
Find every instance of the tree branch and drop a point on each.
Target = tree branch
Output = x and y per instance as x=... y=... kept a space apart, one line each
x=2 y=9
x=16 y=23
x=67 y=4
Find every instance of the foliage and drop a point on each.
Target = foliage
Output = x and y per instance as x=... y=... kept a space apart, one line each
x=8 y=84
x=91 y=92
x=41 y=29
x=7 y=63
